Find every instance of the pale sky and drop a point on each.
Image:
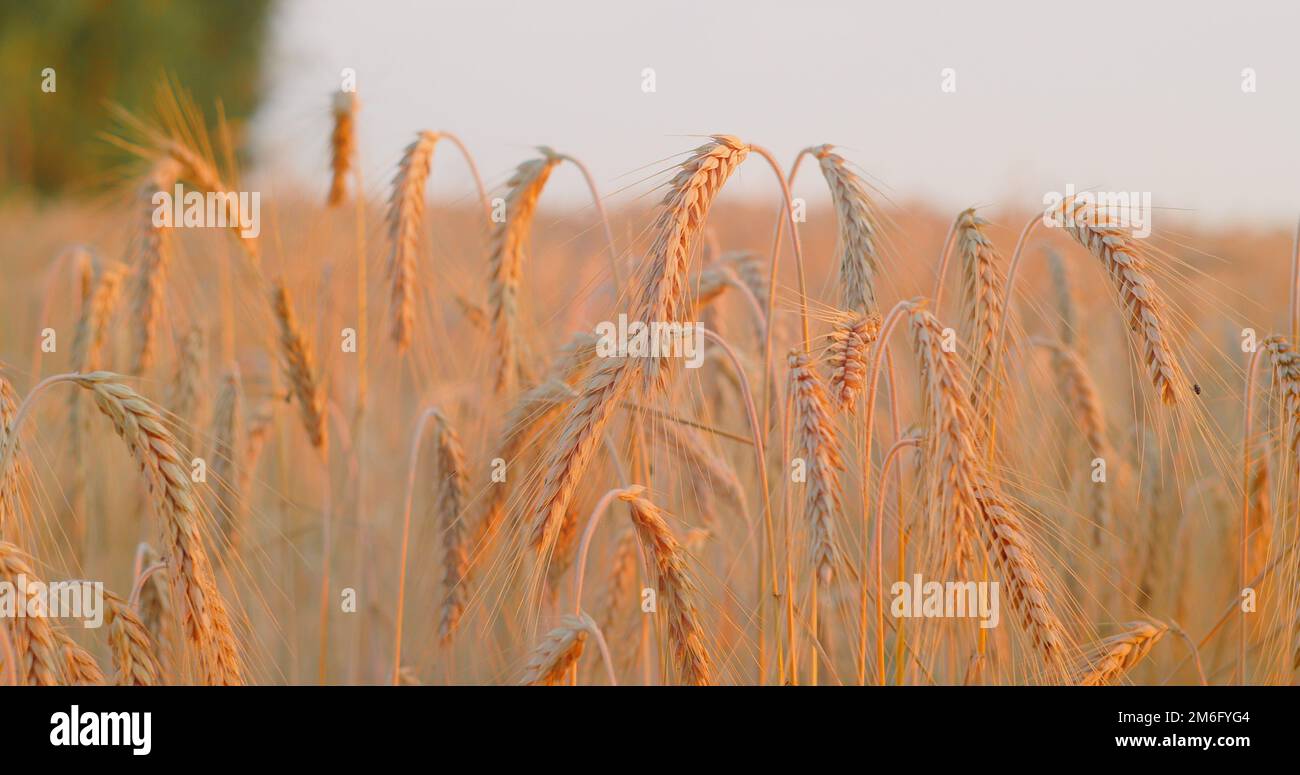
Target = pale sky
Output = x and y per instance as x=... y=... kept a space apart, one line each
x=1109 y=95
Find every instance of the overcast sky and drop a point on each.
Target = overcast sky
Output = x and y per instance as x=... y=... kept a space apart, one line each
x=1112 y=95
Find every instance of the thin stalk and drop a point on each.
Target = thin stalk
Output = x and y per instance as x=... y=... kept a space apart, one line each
x=885 y=468
x=412 y=459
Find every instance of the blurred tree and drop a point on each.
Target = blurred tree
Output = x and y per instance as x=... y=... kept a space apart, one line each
x=119 y=51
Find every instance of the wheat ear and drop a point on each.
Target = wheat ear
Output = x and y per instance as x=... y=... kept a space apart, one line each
x=506 y=263
x=135 y=660
x=982 y=285
x=79 y=665
x=405 y=225
x=664 y=298
x=38 y=651
x=1125 y=263
x=343 y=144
x=300 y=370
x=971 y=491
x=815 y=442
x=139 y=424
x=558 y=651
x=675 y=586
x=154 y=249
x=1112 y=657
x=851 y=337
x=453 y=483
x=856 y=248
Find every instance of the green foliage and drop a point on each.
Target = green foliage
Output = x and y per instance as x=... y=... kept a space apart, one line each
x=113 y=52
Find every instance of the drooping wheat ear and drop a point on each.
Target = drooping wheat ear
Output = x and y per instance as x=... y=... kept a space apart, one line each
x=187 y=385
x=405 y=227
x=153 y=256
x=664 y=299
x=982 y=286
x=620 y=589
x=1065 y=305
x=851 y=338
x=816 y=443
x=1126 y=264
x=79 y=666
x=665 y=292
x=533 y=409
x=858 y=260
x=226 y=450
x=38 y=651
x=203 y=612
x=300 y=370
x=452 y=485
x=558 y=651
x=506 y=263
x=971 y=494
x=1084 y=404
x=1112 y=657
x=343 y=144
x=153 y=604
x=135 y=659
x=675 y=585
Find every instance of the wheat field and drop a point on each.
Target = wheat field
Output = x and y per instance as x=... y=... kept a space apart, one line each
x=381 y=441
